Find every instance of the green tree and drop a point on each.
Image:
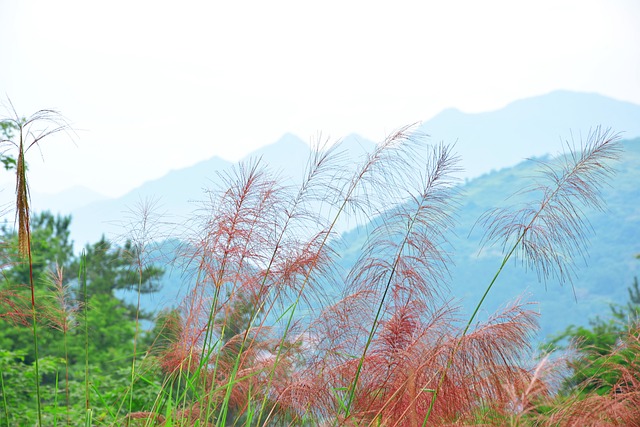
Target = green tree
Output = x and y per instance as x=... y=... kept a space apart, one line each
x=50 y=246
x=111 y=268
x=59 y=298
x=7 y=129
x=597 y=347
x=631 y=311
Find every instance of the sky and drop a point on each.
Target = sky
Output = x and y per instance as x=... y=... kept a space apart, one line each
x=151 y=86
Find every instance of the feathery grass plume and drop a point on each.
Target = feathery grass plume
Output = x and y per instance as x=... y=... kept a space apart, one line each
x=31 y=131
x=367 y=190
x=176 y=347
x=405 y=255
x=62 y=317
x=377 y=181
x=14 y=307
x=405 y=358
x=236 y=227
x=280 y=283
x=300 y=259
x=486 y=360
x=252 y=245
x=63 y=307
x=236 y=230
x=14 y=304
x=378 y=174
x=143 y=223
x=548 y=234
x=406 y=252
x=528 y=391
x=272 y=258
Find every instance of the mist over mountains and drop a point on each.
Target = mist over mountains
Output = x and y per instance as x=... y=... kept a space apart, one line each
x=600 y=279
x=530 y=127
x=485 y=142
x=492 y=147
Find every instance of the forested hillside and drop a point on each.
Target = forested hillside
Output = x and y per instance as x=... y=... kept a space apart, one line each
x=599 y=280
x=602 y=279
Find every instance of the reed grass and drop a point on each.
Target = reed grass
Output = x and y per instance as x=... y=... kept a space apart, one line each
x=273 y=332
x=30 y=133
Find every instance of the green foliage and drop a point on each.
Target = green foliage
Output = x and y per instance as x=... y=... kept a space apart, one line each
x=7 y=129
x=17 y=387
x=629 y=313
x=61 y=339
x=107 y=391
x=111 y=268
x=50 y=246
x=597 y=348
x=390 y=350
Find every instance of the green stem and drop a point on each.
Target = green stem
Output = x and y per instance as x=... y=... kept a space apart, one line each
x=66 y=373
x=55 y=399
x=34 y=321
x=135 y=340
x=82 y=273
x=352 y=387
x=4 y=398
x=468 y=326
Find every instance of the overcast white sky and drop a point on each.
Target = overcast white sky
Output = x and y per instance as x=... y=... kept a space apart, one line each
x=152 y=86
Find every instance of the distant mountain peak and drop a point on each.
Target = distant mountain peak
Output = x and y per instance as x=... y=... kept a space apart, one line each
x=288 y=142
x=527 y=128
x=288 y=137
x=448 y=113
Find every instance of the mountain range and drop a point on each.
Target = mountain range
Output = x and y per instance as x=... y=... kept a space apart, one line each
x=492 y=147
x=485 y=142
x=601 y=279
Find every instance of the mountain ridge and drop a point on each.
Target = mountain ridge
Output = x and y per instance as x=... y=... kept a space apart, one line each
x=613 y=243
x=485 y=141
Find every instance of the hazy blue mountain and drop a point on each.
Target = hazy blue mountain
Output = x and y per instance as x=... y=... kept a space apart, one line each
x=172 y=198
x=177 y=196
x=286 y=157
x=609 y=269
x=65 y=201
x=602 y=280
x=529 y=127
x=485 y=142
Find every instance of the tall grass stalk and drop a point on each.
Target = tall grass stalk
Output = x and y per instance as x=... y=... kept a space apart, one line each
x=82 y=280
x=249 y=247
x=140 y=235
x=135 y=336
x=4 y=399
x=24 y=248
x=389 y=151
x=30 y=132
x=429 y=219
x=61 y=319
x=550 y=232
x=34 y=320
x=387 y=351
